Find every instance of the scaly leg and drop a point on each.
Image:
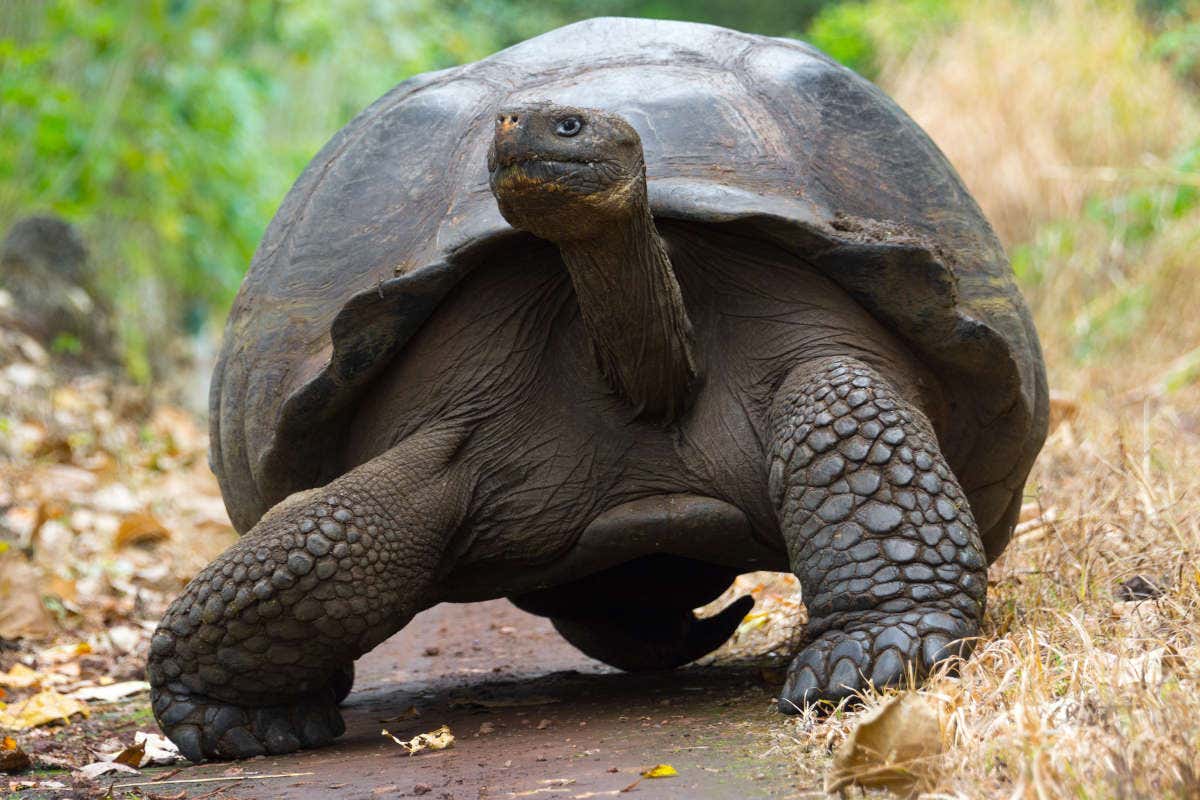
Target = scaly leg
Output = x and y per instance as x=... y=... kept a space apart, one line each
x=878 y=531
x=252 y=657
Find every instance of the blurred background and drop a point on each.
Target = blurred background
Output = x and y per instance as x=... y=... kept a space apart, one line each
x=167 y=132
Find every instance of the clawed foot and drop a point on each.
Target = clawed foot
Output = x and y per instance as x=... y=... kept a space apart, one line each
x=205 y=728
x=878 y=650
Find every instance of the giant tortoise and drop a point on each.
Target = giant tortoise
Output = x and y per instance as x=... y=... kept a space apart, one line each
x=596 y=324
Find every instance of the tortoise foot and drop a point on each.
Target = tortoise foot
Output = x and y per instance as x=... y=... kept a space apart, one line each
x=875 y=650
x=206 y=728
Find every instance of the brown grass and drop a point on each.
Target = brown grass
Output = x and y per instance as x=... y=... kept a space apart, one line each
x=1041 y=104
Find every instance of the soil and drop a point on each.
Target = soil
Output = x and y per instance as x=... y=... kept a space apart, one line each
x=532 y=717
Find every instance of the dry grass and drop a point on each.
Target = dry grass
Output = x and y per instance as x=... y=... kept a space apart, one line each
x=1040 y=104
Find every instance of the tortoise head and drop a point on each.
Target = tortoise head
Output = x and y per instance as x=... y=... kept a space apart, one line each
x=565 y=173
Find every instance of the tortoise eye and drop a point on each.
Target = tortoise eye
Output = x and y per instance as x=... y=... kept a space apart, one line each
x=569 y=126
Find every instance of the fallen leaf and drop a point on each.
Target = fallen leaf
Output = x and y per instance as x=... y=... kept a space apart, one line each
x=20 y=676
x=131 y=756
x=41 y=709
x=22 y=614
x=12 y=757
x=159 y=750
x=140 y=529
x=63 y=653
x=112 y=692
x=485 y=728
x=1146 y=669
x=891 y=747
x=98 y=768
x=434 y=740
x=660 y=771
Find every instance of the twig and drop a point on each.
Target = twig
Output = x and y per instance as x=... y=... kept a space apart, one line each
x=211 y=780
x=165 y=775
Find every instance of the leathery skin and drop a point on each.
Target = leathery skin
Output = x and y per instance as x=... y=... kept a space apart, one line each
x=878 y=531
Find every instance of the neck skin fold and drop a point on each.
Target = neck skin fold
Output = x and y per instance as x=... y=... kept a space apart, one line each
x=633 y=312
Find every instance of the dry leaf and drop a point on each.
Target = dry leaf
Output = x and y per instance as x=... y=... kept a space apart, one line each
x=20 y=676
x=1146 y=669
x=22 y=614
x=63 y=653
x=159 y=750
x=112 y=692
x=434 y=740
x=12 y=757
x=660 y=771
x=891 y=747
x=141 y=529
x=95 y=770
x=131 y=756
x=43 y=708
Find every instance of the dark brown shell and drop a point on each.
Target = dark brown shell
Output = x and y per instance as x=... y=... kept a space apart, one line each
x=738 y=129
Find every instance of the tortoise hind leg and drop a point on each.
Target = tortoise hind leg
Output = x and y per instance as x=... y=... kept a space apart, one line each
x=878 y=531
x=638 y=616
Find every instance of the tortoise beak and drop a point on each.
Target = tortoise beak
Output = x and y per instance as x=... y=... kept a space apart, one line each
x=511 y=143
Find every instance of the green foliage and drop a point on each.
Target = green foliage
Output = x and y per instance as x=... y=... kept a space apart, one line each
x=169 y=130
x=863 y=34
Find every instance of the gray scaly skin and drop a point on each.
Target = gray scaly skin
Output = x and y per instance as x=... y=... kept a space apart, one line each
x=878 y=531
x=255 y=654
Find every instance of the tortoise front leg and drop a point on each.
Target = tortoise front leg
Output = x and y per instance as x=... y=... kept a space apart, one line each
x=252 y=657
x=878 y=531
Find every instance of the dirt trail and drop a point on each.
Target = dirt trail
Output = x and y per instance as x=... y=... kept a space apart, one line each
x=562 y=726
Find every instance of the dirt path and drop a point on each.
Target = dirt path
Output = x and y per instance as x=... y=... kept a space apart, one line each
x=561 y=725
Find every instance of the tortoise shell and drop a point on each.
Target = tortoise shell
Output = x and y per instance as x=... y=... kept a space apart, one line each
x=764 y=133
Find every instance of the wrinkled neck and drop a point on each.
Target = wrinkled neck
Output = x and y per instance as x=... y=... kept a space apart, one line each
x=633 y=311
